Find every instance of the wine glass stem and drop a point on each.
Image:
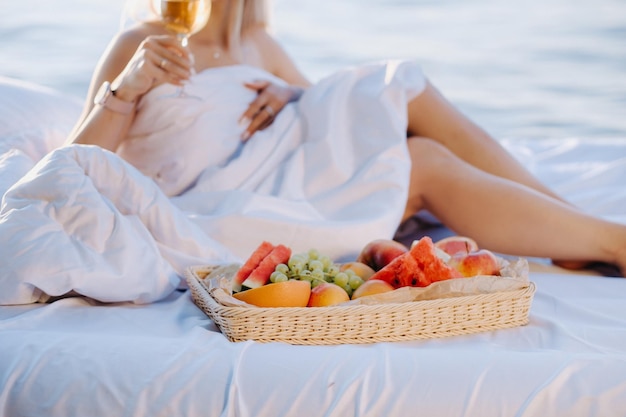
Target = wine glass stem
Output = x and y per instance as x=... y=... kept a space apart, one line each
x=183 y=38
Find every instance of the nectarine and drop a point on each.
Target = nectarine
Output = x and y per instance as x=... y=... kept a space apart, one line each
x=327 y=294
x=455 y=244
x=380 y=252
x=480 y=262
x=371 y=287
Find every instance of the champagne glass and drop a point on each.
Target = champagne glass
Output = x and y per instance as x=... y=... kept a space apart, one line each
x=184 y=18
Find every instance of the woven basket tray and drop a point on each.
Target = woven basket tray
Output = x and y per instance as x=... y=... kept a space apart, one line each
x=364 y=324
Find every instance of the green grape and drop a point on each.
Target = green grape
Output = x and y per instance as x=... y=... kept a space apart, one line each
x=350 y=273
x=308 y=278
x=316 y=282
x=341 y=279
x=277 y=276
x=326 y=261
x=348 y=289
x=295 y=262
x=333 y=270
x=355 y=282
x=318 y=274
x=282 y=268
x=314 y=267
x=281 y=277
x=316 y=264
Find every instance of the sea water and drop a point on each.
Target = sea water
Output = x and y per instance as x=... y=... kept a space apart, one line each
x=521 y=69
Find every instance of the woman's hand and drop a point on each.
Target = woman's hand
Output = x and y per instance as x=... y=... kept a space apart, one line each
x=269 y=102
x=158 y=60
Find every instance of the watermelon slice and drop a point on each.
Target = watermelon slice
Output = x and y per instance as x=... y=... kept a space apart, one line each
x=261 y=274
x=399 y=272
x=431 y=266
x=417 y=268
x=253 y=261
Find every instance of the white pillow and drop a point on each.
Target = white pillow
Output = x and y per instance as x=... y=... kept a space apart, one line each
x=37 y=117
x=34 y=120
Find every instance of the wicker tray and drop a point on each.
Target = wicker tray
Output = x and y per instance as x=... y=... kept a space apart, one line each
x=364 y=324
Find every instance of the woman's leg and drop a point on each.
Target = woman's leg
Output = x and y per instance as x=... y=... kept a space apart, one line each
x=504 y=215
x=432 y=116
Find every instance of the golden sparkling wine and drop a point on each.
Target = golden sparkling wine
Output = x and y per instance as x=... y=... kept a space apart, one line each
x=185 y=16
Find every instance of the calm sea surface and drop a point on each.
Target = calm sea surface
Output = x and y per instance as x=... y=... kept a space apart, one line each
x=522 y=69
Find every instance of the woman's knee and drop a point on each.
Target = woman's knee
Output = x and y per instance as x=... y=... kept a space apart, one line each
x=428 y=154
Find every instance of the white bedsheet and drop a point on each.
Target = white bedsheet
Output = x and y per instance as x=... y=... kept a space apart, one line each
x=78 y=357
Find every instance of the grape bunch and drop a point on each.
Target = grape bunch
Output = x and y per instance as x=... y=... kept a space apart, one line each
x=316 y=269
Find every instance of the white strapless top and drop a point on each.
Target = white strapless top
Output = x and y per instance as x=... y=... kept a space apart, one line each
x=174 y=139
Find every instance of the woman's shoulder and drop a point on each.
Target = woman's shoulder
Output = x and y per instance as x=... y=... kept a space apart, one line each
x=123 y=46
x=261 y=37
x=272 y=56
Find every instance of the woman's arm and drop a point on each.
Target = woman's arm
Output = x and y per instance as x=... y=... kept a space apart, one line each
x=276 y=60
x=132 y=64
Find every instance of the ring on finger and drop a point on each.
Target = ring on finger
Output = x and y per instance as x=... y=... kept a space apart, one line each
x=269 y=110
x=162 y=63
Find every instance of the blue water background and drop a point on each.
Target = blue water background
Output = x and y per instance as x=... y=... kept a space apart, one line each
x=522 y=69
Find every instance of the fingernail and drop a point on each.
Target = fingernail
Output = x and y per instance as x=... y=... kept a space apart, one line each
x=245 y=135
x=244 y=122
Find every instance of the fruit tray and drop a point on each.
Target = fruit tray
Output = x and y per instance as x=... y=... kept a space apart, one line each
x=387 y=322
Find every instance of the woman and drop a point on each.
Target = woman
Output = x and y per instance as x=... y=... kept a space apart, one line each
x=457 y=171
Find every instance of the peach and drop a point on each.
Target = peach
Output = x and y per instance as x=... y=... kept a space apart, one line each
x=480 y=262
x=362 y=270
x=371 y=287
x=380 y=252
x=327 y=294
x=455 y=244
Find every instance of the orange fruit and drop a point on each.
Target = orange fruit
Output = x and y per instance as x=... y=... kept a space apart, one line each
x=292 y=293
x=371 y=287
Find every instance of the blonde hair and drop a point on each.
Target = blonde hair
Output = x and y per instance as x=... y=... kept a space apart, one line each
x=255 y=12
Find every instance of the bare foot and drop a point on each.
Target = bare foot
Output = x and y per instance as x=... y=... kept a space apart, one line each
x=601 y=268
x=621 y=261
x=576 y=265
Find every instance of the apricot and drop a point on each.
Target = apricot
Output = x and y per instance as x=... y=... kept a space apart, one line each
x=362 y=270
x=292 y=293
x=455 y=244
x=480 y=262
x=371 y=287
x=380 y=252
x=327 y=294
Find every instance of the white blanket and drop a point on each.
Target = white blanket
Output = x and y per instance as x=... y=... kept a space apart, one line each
x=330 y=173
